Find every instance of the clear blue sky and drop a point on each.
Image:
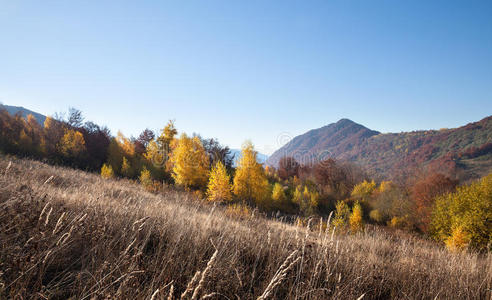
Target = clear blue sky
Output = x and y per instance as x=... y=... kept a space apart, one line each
x=250 y=69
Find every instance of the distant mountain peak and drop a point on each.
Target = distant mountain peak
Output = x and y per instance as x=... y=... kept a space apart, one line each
x=345 y=121
x=330 y=139
x=388 y=153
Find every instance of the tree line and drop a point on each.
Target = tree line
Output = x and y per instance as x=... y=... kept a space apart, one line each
x=431 y=203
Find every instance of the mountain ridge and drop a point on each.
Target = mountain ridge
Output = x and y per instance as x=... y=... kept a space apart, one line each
x=24 y=112
x=386 y=154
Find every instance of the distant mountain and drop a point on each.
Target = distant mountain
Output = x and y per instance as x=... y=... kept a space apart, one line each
x=328 y=141
x=466 y=150
x=24 y=112
x=261 y=158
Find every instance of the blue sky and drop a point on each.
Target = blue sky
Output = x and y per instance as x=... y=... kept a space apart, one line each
x=255 y=70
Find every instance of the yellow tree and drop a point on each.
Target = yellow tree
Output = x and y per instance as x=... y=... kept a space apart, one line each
x=165 y=144
x=278 y=196
x=278 y=193
x=34 y=131
x=364 y=190
x=25 y=142
x=126 y=168
x=190 y=162
x=250 y=182
x=219 y=187
x=464 y=216
x=154 y=154
x=146 y=179
x=342 y=213
x=167 y=135
x=125 y=144
x=72 y=144
x=107 y=171
x=355 y=220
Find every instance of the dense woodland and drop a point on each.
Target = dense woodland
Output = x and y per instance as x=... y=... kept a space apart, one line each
x=432 y=203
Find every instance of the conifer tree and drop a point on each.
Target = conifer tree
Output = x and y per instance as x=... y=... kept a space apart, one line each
x=126 y=168
x=355 y=220
x=146 y=179
x=168 y=134
x=250 y=182
x=107 y=171
x=219 y=187
x=278 y=194
x=190 y=162
x=342 y=213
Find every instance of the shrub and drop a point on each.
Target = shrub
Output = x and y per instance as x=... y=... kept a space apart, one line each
x=376 y=216
x=238 y=211
x=107 y=171
x=146 y=179
x=459 y=240
x=398 y=222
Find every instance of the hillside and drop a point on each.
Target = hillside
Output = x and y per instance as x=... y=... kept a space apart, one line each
x=24 y=112
x=465 y=150
x=70 y=234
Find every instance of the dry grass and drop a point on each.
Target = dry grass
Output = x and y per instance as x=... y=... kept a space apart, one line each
x=66 y=233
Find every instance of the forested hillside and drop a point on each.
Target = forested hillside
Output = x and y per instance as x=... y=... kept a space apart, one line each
x=298 y=190
x=464 y=151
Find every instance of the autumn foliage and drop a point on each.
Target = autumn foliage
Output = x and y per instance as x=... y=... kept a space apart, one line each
x=431 y=204
x=250 y=182
x=464 y=216
x=219 y=186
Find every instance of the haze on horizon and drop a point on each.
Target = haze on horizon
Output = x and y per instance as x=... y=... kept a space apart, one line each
x=251 y=70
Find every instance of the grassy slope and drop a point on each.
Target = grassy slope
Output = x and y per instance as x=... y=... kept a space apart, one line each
x=67 y=233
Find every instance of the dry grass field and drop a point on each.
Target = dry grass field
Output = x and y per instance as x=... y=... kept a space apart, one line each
x=70 y=234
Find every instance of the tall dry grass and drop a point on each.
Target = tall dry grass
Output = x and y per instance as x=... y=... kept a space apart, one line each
x=69 y=234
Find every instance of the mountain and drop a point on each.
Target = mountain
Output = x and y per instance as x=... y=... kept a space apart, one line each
x=466 y=150
x=24 y=112
x=261 y=158
x=328 y=141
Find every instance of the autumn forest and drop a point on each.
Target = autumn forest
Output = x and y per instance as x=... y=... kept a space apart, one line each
x=431 y=203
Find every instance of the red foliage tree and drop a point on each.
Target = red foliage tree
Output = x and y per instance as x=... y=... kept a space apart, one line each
x=288 y=167
x=425 y=191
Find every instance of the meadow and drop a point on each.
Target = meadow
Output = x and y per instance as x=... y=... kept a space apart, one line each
x=67 y=234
